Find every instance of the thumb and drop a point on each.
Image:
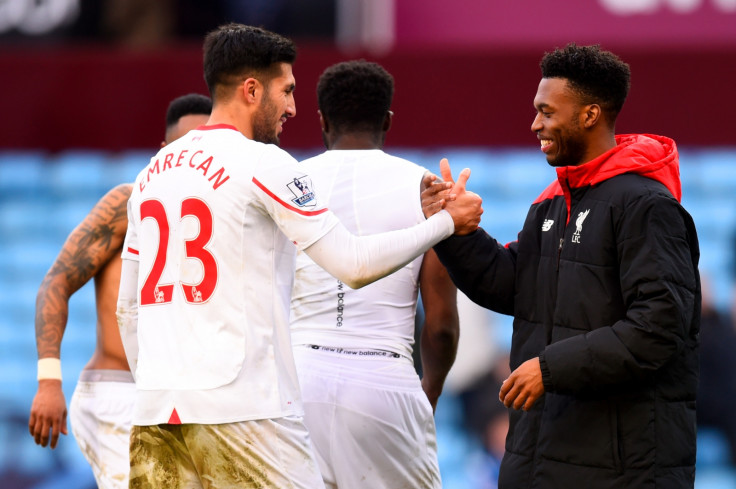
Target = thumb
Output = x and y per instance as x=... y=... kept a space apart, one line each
x=462 y=179
x=445 y=171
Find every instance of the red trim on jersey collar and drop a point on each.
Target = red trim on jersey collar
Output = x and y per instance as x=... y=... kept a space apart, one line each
x=217 y=126
x=132 y=250
x=275 y=197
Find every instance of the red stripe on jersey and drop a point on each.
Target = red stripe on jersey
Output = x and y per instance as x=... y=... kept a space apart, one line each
x=131 y=250
x=174 y=419
x=275 y=197
x=217 y=126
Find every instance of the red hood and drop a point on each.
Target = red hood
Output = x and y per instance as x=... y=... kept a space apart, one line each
x=647 y=155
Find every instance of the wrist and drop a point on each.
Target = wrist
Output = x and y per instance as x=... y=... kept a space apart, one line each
x=448 y=222
x=49 y=369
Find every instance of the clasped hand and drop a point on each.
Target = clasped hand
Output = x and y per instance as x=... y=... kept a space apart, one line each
x=465 y=207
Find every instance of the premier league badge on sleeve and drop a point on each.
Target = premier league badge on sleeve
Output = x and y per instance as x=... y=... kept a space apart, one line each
x=301 y=187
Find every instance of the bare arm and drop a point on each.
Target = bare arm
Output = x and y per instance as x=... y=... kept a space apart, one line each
x=88 y=248
x=441 y=328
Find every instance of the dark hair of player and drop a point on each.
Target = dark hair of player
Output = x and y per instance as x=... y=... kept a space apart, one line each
x=597 y=76
x=234 y=52
x=189 y=104
x=355 y=96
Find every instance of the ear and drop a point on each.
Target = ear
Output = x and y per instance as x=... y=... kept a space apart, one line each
x=323 y=123
x=591 y=115
x=252 y=90
x=387 y=121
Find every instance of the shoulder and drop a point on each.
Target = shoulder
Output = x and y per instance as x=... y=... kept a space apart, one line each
x=631 y=189
x=553 y=190
x=402 y=169
x=403 y=163
x=117 y=197
x=646 y=205
x=272 y=152
x=121 y=191
x=321 y=159
x=317 y=158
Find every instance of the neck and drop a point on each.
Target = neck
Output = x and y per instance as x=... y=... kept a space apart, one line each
x=226 y=114
x=601 y=146
x=356 y=141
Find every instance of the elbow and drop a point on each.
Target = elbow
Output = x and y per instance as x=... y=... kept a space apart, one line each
x=446 y=331
x=358 y=278
x=355 y=282
x=448 y=336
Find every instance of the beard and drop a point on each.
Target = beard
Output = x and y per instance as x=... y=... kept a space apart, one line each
x=574 y=149
x=266 y=123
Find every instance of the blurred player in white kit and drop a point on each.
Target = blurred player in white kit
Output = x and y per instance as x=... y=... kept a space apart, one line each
x=215 y=220
x=371 y=422
x=101 y=407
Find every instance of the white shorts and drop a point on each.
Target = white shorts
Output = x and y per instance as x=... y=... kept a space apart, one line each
x=371 y=423
x=260 y=454
x=100 y=414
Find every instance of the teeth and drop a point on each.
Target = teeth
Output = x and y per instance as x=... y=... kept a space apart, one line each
x=545 y=142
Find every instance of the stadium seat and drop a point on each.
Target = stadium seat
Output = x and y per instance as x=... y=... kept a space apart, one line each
x=72 y=173
x=125 y=166
x=16 y=183
x=718 y=171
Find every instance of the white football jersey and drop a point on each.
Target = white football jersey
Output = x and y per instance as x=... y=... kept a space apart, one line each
x=355 y=184
x=213 y=220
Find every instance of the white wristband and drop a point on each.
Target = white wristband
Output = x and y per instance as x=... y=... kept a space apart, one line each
x=49 y=368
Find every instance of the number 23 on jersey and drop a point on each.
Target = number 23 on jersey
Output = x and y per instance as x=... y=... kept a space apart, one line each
x=153 y=292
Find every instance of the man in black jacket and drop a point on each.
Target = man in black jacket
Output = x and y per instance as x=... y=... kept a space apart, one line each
x=604 y=288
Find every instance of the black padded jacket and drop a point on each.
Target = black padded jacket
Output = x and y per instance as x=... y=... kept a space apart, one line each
x=604 y=288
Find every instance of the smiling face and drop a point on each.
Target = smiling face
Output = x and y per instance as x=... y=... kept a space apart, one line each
x=276 y=106
x=559 y=124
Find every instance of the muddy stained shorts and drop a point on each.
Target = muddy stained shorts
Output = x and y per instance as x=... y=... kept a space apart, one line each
x=266 y=453
x=100 y=415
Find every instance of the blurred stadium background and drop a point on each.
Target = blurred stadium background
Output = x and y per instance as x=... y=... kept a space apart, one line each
x=85 y=85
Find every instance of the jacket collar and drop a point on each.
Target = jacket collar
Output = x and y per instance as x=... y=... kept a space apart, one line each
x=648 y=155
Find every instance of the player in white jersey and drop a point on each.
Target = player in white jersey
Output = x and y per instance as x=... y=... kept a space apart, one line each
x=101 y=408
x=214 y=223
x=371 y=423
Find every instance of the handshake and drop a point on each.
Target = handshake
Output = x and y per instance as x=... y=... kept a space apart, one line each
x=465 y=207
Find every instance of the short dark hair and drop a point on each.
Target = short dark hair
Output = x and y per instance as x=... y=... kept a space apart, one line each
x=598 y=76
x=189 y=104
x=355 y=95
x=236 y=51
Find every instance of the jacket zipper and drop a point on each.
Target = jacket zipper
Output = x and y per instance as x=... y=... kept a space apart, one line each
x=559 y=253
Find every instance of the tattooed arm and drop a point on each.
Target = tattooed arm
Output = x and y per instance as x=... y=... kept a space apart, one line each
x=94 y=242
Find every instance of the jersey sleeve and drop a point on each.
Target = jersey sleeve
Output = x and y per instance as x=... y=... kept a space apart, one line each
x=287 y=194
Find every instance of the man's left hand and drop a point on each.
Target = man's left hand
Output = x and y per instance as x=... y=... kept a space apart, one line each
x=523 y=387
